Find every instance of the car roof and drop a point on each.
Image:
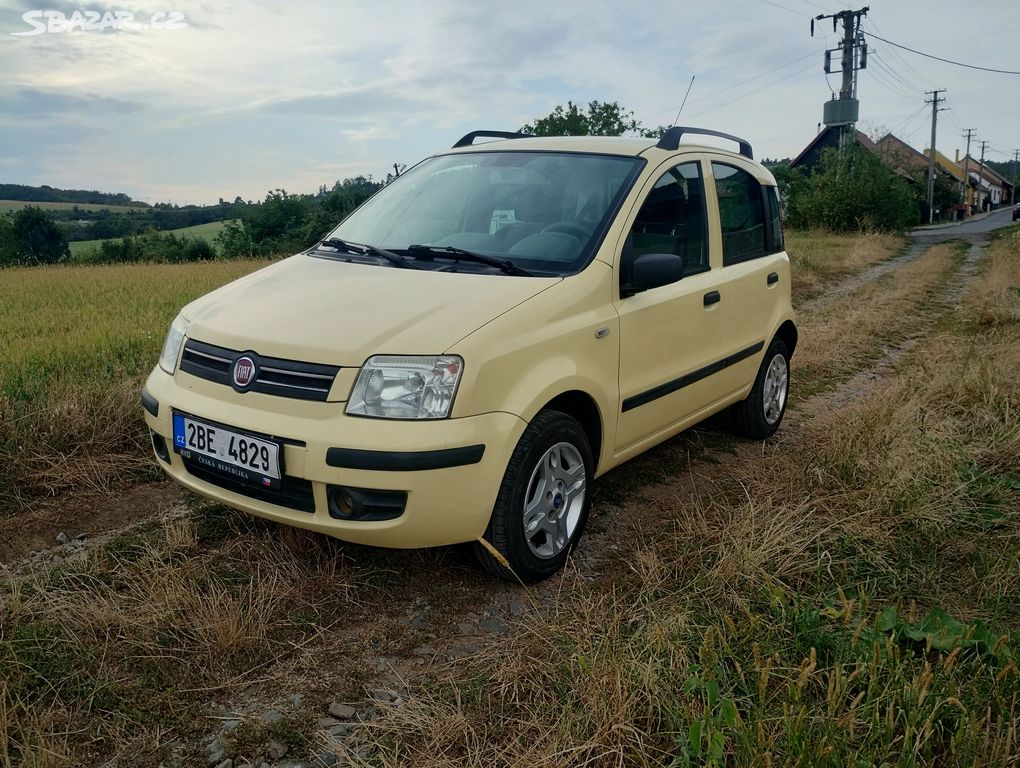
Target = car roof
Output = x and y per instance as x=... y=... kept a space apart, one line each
x=610 y=145
x=606 y=145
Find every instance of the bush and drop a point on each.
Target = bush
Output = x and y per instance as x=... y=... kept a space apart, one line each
x=152 y=246
x=851 y=191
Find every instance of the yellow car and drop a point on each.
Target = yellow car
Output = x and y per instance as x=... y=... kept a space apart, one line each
x=467 y=351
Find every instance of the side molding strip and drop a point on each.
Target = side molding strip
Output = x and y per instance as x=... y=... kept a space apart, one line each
x=687 y=379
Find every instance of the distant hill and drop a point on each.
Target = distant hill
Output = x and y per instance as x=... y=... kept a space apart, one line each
x=47 y=194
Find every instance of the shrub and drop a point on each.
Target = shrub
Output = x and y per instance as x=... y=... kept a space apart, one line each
x=851 y=191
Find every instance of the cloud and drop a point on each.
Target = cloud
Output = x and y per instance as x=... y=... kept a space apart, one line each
x=256 y=94
x=36 y=104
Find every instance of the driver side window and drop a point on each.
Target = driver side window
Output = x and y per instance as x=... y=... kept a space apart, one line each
x=672 y=219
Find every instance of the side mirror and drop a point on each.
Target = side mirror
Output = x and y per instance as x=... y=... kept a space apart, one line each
x=652 y=270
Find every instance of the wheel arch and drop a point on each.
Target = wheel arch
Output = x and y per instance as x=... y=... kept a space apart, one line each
x=582 y=407
x=788 y=333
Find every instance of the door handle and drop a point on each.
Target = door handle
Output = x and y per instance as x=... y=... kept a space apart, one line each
x=712 y=297
x=772 y=279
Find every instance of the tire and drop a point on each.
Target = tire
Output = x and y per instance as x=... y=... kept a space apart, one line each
x=759 y=415
x=553 y=449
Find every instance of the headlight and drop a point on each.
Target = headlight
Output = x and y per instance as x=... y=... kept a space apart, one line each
x=396 y=387
x=172 y=345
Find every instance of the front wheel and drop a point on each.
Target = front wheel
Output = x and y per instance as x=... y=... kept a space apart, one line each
x=758 y=416
x=543 y=502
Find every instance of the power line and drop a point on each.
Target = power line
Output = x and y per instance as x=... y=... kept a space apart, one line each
x=916 y=124
x=947 y=61
x=887 y=65
x=910 y=119
x=894 y=87
x=785 y=8
x=914 y=74
x=742 y=82
x=752 y=93
x=952 y=116
x=816 y=5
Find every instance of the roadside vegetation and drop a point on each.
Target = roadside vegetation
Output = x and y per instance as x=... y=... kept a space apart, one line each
x=849 y=593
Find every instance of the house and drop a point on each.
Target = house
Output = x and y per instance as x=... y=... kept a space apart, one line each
x=991 y=190
x=828 y=138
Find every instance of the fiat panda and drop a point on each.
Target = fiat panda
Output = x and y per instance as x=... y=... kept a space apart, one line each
x=464 y=354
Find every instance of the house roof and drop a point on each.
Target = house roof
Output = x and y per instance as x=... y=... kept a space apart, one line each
x=895 y=149
x=861 y=139
x=976 y=166
x=946 y=164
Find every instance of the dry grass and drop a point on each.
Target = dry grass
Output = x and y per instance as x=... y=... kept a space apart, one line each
x=842 y=335
x=107 y=646
x=818 y=258
x=995 y=300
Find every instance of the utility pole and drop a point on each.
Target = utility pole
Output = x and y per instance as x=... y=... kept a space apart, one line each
x=1012 y=192
x=969 y=134
x=935 y=101
x=981 y=168
x=844 y=111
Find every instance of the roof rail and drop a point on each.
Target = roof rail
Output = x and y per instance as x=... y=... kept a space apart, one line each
x=671 y=139
x=468 y=139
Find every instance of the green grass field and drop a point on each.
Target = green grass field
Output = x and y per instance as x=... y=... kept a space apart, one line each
x=208 y=231
x=7 y=206
x=76 y=342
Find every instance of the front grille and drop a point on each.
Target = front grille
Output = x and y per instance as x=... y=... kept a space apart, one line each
x=276 y=376
x=293 y=493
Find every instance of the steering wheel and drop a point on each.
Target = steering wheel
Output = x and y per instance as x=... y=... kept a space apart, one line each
x=569 y=228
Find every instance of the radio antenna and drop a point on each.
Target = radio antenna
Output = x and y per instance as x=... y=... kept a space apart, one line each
x=684 y=101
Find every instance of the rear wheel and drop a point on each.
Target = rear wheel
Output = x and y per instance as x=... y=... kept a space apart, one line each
x=543 y=502
x=760 y=414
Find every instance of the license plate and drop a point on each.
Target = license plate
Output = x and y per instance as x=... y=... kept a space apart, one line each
x=225 y=450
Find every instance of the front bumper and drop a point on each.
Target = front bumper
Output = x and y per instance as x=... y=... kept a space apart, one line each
x=449 y=469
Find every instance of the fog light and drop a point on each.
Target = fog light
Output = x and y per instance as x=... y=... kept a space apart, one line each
x=342 y=504
x=365 y=504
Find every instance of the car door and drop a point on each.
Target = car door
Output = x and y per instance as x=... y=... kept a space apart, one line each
x=753 y=268
x=667 y=334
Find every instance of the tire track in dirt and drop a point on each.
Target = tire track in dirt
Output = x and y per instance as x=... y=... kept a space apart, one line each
x=866 y=380
x=869 y=275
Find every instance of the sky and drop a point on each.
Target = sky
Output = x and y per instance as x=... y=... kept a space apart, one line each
x=217 y=99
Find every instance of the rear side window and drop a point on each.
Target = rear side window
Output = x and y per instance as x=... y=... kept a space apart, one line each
x=672 y=219
x=775 y=221
x=742 y=214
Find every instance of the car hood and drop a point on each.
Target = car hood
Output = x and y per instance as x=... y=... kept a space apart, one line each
x=327 y=311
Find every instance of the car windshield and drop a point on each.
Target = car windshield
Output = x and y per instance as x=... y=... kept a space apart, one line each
x=545 y=212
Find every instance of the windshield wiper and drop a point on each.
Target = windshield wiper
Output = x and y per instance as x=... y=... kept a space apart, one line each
x=360 y=249
x=504 y=265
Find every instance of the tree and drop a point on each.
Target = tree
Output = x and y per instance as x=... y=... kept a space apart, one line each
x=599 y=118
x=8 y=251
x=235 y=242
x=37 y=238
x=279 y=214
